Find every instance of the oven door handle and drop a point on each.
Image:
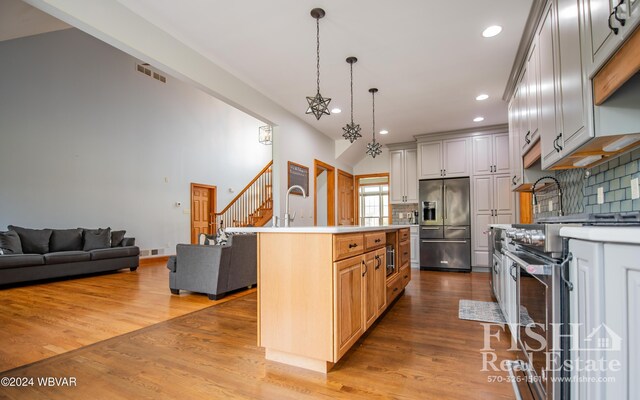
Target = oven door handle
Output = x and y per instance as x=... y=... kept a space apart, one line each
x=512 y=377
x=513 y=266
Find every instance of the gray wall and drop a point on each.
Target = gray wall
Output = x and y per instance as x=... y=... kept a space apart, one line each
x=86 y=140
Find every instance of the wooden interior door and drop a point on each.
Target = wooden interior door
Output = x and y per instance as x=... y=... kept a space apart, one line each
x=320 y=167
x=346 y=199
x=203 y=208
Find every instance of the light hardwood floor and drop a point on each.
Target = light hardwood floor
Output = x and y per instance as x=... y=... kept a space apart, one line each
x=418 y=350
x=46 y=319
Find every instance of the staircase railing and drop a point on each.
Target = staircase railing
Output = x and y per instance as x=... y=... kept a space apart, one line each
x=253 y=205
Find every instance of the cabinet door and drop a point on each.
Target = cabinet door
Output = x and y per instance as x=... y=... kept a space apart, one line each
x=430 y=160
x=533 y=98
x=349 y=318
x=622 y=302
x=456 y=157
x=369 y=289
x=396 y=176
x=482 y=151
x=380 y=281
x=483 y=194
x=599 y=38
x=548 y=132
x=572 y=97
x=501 y=159
x=502 y=194
x=480 y=230
x=411 y=176
x=586 y=310
x=514 y=138
x=415 y=250
x=524 y=111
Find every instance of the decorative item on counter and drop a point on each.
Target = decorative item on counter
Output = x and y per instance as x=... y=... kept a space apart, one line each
x=265 y=135
x=374 y=148
x=351 y=130
x=318 y=105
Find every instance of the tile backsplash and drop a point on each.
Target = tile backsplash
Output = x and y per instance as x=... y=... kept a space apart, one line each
x=615 y=179
x=405 y=209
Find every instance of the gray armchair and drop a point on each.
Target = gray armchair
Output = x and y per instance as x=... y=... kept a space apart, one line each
x=214 y=270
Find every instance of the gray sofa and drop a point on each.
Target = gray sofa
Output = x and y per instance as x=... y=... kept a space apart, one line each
x=37 y=254
x=213 y=269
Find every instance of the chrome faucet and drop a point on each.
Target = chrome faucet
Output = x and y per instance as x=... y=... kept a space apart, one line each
x=288 y=218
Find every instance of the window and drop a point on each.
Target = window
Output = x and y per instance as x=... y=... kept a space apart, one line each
x=374 y=205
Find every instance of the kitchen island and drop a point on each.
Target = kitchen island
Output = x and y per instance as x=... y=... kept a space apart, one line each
x=321 y=288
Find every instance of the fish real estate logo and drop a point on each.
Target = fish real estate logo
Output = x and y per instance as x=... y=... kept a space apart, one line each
x=590 y=352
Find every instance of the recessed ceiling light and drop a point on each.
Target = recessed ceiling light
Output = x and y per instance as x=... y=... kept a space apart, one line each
x=482 y=97
x=492 y=31
x=336 y=111
x=384 y=132
x=478 y=119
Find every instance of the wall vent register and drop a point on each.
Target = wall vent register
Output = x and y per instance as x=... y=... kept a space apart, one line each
x=146 y=69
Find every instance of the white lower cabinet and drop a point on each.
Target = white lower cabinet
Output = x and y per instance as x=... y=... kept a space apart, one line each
x=415 y=246
x=606 y=324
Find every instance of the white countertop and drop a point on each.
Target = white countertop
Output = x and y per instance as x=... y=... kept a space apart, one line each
x=315 y=229
x=606 y=234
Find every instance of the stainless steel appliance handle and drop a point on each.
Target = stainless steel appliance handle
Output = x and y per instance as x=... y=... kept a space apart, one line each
x=430 y=229
x=444 y=241
x=456 y=228
x=512 y=377
x=444 y=201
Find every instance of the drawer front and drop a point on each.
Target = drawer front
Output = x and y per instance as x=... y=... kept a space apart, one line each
x=347 y=245
x=394 y=288
x=403 y=234
x=405 y=275
x=404 y=253
x=374 y=240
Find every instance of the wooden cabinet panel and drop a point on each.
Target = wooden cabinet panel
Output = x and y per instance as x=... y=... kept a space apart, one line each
x=370 y=308
x=456 y=157
x=374 y=240
x=405 y=275
x=503 y=196
x=415 y=248
x=411 y=176
x=483 y=194
x=394 y=287
x=403 y=234
x=347 y=245
x=396 y=176
x=501 y=154
x=404 y=253
x=380 y=281
x=348 y=304
x=482 y=155
x=533 y=98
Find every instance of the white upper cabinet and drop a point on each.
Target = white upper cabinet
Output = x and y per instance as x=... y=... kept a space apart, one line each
x=491 y=154
x=532 y=76
x=403 y=177
x=444 y=158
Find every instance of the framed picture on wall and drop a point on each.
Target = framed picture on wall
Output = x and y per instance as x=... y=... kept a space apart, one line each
x=297 y=175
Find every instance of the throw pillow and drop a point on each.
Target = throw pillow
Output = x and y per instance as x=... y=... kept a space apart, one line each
x=116 y=238
x=10 y=243
x=33 y=241
x=66 y=240
x=97 y=239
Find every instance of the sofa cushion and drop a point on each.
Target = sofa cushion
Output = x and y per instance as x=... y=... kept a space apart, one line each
x=33 y=241
x=10 y=243
x=97 y=239
x=21 y=260
x=117 y=237
x=65 y=240
x=116 y=252
x=62 y=257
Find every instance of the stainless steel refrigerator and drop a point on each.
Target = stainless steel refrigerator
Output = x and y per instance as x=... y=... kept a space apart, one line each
x=445 y=224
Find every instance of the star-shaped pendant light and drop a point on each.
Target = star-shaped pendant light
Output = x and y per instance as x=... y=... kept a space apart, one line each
x=351 y=130
x=318 y=105
x=374 y=148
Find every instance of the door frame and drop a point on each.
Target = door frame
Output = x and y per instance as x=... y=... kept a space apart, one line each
x=212 y=206
x=357 y=178
x=318 y=168
x=353 y=198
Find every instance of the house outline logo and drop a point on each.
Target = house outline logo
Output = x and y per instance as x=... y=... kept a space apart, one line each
x=602 y=338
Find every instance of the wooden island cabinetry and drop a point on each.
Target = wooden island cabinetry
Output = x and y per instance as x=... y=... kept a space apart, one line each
x=321 y=288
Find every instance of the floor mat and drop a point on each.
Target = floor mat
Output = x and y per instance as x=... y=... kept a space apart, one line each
x=487 y=311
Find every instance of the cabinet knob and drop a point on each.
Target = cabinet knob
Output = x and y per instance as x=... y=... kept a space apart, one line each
x=352 y=245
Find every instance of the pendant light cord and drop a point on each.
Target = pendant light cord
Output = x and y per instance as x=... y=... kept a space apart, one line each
x=318 y=52
x=373 y=100
x=351 y=68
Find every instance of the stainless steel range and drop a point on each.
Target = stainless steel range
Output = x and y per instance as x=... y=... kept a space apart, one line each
x=541 y=259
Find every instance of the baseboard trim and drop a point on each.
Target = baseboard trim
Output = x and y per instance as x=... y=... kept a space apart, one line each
x=146 y=261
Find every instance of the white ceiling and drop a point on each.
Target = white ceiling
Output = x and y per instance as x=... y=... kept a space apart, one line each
x=428 y=58
x=18 y=19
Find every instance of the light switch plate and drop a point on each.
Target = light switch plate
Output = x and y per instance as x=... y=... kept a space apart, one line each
x=550 y=205
x=635 y=189
x=600 y=195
